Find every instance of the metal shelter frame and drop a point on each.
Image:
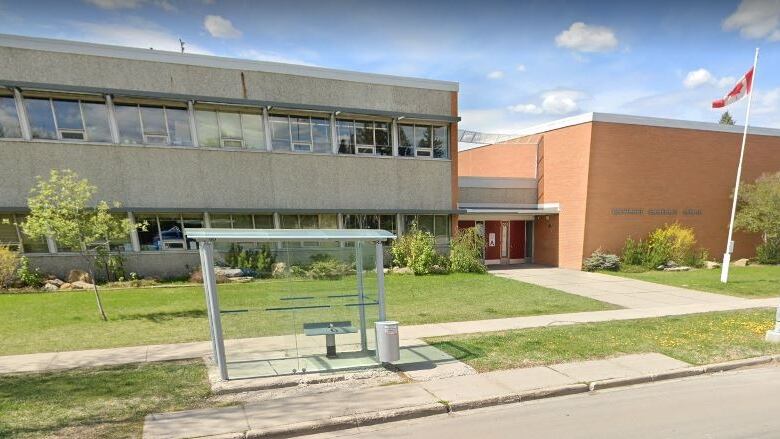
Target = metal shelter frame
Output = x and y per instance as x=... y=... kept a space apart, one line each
x=207 y=237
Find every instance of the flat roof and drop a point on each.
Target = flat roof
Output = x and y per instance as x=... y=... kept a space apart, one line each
x=279 y=235
x=134 y=53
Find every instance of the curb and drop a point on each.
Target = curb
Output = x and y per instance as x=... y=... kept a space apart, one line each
x=440 y=408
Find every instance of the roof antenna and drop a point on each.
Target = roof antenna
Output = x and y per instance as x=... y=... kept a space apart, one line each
x=181 y=42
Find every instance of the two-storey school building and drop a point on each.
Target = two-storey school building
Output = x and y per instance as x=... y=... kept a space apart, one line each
x=184 y=141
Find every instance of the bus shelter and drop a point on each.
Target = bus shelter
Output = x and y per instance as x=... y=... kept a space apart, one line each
x=312 y=314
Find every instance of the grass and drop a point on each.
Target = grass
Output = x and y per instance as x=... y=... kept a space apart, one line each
x=45 y=322
x=696 y=339
x=749 y=282
x=101 y=402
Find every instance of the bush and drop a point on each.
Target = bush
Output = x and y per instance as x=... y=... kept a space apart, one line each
x=28 y=276
x=466 y=252
x=769 y=252
x=599 y=260
x=9 y=261
x=673 y=242
x=416 y=250
x=329 y=268
x=257 y=262
x=634 y=252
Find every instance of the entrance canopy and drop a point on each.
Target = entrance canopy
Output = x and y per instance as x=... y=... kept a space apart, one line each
x=293 y=322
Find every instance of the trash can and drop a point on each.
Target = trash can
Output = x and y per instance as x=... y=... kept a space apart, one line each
x=387 y=345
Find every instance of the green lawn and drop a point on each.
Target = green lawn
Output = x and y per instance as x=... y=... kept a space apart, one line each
x=697 y=339
x=750 y=281
x=98 y=403
x=44 y=322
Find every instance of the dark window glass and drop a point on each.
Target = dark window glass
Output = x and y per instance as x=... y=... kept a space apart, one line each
x=321 y=134
x=179 y=126
x=264 y=221
x=425 y=223
x=41 y=119
x=68 y=115
x=382 y=136
x=406 y=140
x=440 y=143
x=96 y=121
x=9 y=118
x=364 y=133
x=290 y=222
x=422 y=140
x=149 y=238
x=387 y=222
x=280 y=133
x=129 y=123
x=345 y=131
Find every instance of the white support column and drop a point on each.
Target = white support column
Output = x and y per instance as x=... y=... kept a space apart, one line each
x=334 y=137
x=399 y=220
x=394 y=137
x=24 y=121
x=193 y=125
x=113 y=126
x=267 y=128
x=134 y=241
x=51 y=244
x=207 y=220
x=380 y=280
x=361 y=295
x=212 y=305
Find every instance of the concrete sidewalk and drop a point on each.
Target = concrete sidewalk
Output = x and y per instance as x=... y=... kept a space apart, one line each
x=622 y=291
x=138 y=354
x=351 y=408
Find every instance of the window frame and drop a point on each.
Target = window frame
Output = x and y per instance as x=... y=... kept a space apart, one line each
x=9 y=94
x=144 y=136
x=373 y=147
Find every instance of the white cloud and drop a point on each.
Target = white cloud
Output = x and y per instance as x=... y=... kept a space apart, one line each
x=520 y=67
x=586 y=38
x=755 y=19
x=137 y=33
x=525 y=108
x=131 y=4
x=702 y=76
x=220 y=27
x=495 y=74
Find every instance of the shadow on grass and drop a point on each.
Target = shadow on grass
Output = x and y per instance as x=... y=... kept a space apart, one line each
x=458 y=351
x=159 y=317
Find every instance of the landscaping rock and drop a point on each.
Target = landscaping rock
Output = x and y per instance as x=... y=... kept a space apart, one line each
x=79 y=275
x=240 y=280
x=66 y=286
x=80 y=285
x=228 y=272
x=741 y=262
x=402 y=270
x=711 y=265
x=56 y=282
x=279 y=269
x=678 y=268
x=50 y=287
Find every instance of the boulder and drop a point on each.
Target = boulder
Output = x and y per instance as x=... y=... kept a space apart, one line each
x=240 y=279
x=56 y=282
x=228 y=272
x=402 y=270
x=740 y=263
x=677 y=268
x=279 y=269
x=711 y=265
x=79 y=275
x=50 y=287
x=66 y=286
x=81 y=285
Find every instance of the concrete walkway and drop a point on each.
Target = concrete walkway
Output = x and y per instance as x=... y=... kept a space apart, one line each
x=277 y=415
x=625 y=292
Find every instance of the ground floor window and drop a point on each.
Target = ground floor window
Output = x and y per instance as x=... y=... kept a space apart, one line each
x=165 y=231
x=437 y=225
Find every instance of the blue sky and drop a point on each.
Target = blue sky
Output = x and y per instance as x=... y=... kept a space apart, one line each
x=518 y=63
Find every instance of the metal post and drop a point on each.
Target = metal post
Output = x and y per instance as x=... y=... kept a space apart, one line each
x=212 y=302
x=361 y=295
x=724 y=273
x=380 y=280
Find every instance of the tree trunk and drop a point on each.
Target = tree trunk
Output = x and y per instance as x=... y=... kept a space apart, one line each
x=95 y=289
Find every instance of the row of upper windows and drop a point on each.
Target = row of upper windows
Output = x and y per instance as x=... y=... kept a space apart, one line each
x=90 y=119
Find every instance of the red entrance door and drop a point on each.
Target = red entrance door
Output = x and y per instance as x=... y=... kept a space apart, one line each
x=492 y=240
x=516 y=239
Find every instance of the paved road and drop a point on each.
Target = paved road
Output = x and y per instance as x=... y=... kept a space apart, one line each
x=740 y=404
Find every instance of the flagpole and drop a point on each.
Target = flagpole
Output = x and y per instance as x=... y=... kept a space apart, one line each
x=724 y=273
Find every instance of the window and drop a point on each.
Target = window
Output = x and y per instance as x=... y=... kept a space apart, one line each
x=30 y=245
x=8 y=233
x=9 y=117
x=423 y=140
x=370 y=137
x=153 y=125
x=363 y=221
x=437 y=225
x=64 y=119
x=230 y=129
x=166 y=231
x=300 y=133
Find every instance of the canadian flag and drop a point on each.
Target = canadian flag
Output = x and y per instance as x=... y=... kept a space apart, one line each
x=743 y=87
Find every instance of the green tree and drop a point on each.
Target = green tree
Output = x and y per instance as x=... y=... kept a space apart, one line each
x=726 y=119
x=61 y=208
x=759 y=207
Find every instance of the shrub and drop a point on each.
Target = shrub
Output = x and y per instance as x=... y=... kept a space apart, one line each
x=599 y=260
x=257 y=262
x=329 y=268
x=673 y=242
x=416 y=250
x=466 y=252
x=769 y=252
x=9 y=261
x=28 y=276
x=634 y=252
